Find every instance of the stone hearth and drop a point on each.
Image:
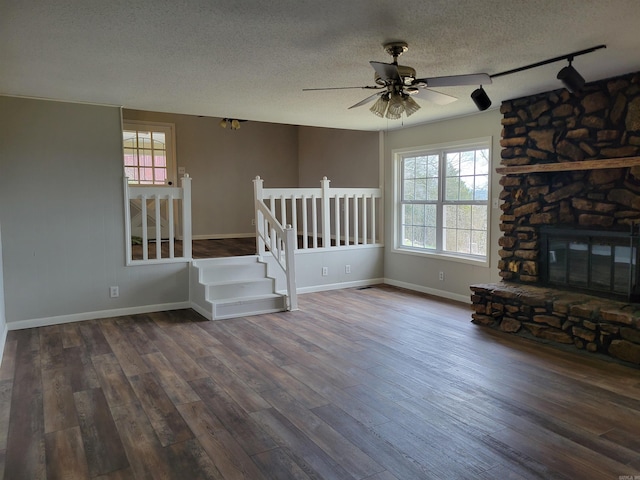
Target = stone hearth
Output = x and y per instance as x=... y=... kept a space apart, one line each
x=591 y=323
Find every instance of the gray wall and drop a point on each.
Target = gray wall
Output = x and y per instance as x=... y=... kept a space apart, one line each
x=223 y=163
x=421 y=272
x=3 y=321
x=61 y=210
x=346 y=157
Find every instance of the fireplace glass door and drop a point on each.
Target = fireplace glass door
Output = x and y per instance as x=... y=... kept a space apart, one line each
x=602 y=263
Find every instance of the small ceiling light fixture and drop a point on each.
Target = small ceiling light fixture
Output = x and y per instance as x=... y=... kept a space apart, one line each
x=233 y=123
x=570 y=77
x=481 y=99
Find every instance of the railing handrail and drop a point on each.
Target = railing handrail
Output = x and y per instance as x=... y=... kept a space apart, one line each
x=281 y=243
x=157 y=193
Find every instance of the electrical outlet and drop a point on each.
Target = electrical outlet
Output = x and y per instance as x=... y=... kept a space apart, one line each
x=181 y=171
x=347 y=269
x=325 y=271
x=253 y=221
x=441 y=276
x=114 y=292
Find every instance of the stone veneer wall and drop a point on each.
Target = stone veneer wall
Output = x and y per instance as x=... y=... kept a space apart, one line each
x=603 y=121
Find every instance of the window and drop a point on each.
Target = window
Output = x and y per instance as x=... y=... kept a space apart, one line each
x=148 y=153
x=443 y=200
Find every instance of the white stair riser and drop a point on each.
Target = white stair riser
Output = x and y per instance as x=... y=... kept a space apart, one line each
x=240 y=289
x=231 y=272
x=248 y=307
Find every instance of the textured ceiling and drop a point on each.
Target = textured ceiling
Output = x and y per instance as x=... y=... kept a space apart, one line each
x=250 y=59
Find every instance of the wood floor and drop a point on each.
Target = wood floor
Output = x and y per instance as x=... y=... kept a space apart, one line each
x=375 y=383
x=213 y=248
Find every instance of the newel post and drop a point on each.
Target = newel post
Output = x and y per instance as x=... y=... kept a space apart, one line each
x=290 y=265
x=326 y=213
x=186 y=215
x=259 y=219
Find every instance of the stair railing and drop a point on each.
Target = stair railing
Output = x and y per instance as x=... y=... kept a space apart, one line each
x=273 y=237
x=152 y=200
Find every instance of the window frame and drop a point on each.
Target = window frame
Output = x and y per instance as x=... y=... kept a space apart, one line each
x=398 y=155
x=170 y=148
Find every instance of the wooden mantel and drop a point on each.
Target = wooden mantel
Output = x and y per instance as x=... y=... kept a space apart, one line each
x=571 y=166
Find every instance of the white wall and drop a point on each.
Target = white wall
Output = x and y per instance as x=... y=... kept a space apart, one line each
x=61 y=209
x=421 y=272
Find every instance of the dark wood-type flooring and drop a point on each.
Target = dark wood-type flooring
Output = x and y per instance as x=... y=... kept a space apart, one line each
x=375 y=383
x=214 y=248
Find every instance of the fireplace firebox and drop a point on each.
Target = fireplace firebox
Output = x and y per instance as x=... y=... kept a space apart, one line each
x=601 y=262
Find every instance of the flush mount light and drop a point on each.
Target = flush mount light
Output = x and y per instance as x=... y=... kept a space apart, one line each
x=481 y=99
x=232 y=123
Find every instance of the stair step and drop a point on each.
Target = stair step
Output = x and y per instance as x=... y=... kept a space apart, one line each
x=239 y=289
x=259 y=304
x=232 y=272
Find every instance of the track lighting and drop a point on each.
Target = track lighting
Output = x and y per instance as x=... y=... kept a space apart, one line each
x=570 y=77
x=481 y=99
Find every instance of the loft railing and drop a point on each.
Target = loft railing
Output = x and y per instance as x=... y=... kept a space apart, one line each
x=157 y=209
x=326 y=217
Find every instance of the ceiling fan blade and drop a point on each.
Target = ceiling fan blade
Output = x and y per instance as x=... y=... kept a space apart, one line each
x=434 y=97
x=366 y=100
x=387 y=72
x=455 y=80
x=341 y=88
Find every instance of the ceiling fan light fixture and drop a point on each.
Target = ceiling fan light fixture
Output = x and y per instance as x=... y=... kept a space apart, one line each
x=571 y=79
x=481 y=99
x=410 y=105
x=235 y=124
x=223 y=123
x=396 y=107
x=380 y=107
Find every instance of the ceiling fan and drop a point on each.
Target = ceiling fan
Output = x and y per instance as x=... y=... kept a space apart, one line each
x=397 y=85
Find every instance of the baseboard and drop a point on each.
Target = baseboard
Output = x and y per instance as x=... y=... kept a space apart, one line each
x=431 y=291
x=206 y=314
x=79 y=317
x=337 y=286
x=3 y=341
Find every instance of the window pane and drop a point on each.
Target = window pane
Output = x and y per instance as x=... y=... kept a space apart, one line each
x=420 y=185
x=409 y=168
x=466 y=188
x=450 y=216
x=479 y=217
x=421 y=167
x=432 y=189
x=408 y=190
x=407 y=236
x=482 y=162
x=418 y=214
x=449 y=239
x=160 y=160
x=452 y=188
x=464 y=216
x=482 y=187
x=407 y=215
x=430 y=241
x=478 y=243
x=160 y=175
x=453 y=164
x=430 y=214
x=433 y=166
x=464 y=241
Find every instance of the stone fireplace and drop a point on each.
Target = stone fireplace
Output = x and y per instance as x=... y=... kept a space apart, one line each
x=569 y=162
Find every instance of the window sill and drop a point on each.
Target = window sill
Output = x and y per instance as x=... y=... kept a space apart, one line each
x=469 y=260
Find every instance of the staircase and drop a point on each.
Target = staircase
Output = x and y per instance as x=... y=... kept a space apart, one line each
x=233 y=287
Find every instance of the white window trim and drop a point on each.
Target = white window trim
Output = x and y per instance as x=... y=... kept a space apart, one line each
x=397 y=155
x=172 y=170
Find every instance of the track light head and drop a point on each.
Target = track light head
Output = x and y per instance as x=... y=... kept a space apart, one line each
x=481 y=99
x=571 y=79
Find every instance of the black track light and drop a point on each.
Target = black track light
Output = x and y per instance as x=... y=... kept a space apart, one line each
x=571 y=79
x=481 y=99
